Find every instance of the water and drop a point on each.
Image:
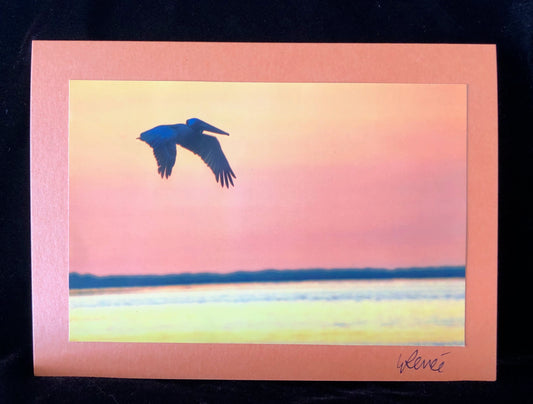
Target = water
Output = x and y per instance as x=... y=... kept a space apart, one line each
x=362 y=312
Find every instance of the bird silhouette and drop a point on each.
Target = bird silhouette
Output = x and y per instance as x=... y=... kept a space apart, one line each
x=164 y=138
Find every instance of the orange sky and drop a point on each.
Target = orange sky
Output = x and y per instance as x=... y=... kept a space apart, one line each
x=328 y=175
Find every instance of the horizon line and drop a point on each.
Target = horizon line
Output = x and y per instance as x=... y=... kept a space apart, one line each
x=91 y=281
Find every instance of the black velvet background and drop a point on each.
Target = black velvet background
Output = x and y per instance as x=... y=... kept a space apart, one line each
x=509 y=24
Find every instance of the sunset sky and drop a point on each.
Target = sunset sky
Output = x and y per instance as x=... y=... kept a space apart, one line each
x=328 y=175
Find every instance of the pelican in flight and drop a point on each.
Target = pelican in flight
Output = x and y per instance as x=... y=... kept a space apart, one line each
x=164 y=138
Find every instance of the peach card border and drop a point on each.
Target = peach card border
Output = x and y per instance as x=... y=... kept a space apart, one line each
x=54 y=63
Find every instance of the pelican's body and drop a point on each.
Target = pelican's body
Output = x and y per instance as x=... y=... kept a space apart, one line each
x=164 y=138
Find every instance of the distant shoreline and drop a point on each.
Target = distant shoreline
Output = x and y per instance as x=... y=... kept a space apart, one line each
x=87 y=281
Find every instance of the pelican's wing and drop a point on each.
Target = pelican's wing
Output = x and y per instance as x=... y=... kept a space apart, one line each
x=164 y=152
x=208 y=148
x=166 y=158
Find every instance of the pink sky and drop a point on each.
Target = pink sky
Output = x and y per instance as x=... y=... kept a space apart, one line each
x=328 y=175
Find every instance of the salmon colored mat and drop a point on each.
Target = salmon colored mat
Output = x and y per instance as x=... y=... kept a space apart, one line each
x=55 y=63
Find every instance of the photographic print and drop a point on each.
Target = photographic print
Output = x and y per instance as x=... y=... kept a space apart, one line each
x=271 y=213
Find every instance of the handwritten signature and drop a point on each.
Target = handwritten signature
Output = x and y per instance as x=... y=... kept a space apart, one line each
x=417 y=362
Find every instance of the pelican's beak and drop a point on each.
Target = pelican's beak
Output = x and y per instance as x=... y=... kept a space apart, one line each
x=211 y=128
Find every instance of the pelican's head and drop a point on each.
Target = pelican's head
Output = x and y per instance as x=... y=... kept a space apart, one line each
x=199 y=125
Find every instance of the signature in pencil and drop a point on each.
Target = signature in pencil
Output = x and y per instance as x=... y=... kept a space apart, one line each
x=415 y=361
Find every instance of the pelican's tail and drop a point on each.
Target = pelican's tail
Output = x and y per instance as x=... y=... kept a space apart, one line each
x=150 y=137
